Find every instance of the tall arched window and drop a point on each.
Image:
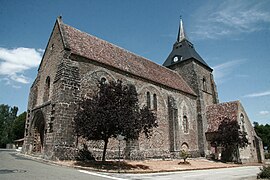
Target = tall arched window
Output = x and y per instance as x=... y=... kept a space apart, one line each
x=155 y=101
x=47 y=89
x=242 y=119
x=204 y=84
x=148 y=100
x=185 y=124
x=34 y=96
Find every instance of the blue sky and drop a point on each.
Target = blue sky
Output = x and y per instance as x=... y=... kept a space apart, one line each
x=233 y=37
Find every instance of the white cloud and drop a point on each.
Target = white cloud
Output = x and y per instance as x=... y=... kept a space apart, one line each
x=259 y=94
x=264 y=113
x=13 y=63
x=20 y=78
x=231 y=18
x=222 y=71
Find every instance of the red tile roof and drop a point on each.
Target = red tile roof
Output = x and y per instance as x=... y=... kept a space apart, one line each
x=93 y=48
x=217 y=112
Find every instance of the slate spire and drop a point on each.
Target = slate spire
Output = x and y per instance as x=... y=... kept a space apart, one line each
x=181 y=31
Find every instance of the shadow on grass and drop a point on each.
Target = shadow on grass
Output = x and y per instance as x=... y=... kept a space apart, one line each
x=111 y=165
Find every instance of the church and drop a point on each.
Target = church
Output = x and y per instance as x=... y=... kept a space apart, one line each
x=182 y=93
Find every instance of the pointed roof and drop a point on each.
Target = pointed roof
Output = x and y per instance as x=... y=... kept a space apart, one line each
x=183 y=50
x=95 y=49
x=181 y=32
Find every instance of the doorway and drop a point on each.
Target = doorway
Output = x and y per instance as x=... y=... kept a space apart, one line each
x=38 y=131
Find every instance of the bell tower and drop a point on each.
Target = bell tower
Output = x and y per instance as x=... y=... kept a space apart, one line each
x=188 y=63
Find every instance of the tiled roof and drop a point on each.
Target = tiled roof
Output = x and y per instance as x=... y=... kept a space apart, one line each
x=93 y=48
x=217 y=112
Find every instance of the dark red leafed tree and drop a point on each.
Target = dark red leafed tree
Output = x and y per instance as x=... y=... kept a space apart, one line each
x=113 y=111
x=230 y=137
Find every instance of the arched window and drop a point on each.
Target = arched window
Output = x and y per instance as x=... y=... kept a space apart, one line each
x=155 y=101
x=204 y=84
x=34 y=96
x=48 y=82
x=185 y=124
x=47 y=89
x=103 y=80
x=242 y=119
x=184 y=146
x=148 y=100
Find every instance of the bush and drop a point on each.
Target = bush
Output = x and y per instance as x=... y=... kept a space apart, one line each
x=265 y=172
x=267 y=155
x=84 y=154
x=184 y=155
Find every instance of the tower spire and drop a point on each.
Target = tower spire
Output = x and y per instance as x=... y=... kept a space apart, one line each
x=181 y=32
x=183 y=49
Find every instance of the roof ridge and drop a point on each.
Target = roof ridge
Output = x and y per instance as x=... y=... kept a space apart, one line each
x=60 y=22
x=222 y=103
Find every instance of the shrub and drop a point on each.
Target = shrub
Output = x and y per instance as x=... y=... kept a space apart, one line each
x=84 y=154
x=265 y=172
x=184 y=155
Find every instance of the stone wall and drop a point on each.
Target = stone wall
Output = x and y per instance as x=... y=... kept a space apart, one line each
x=159 y=144
x=254 y=151
x=200 y=79
x=45 y=96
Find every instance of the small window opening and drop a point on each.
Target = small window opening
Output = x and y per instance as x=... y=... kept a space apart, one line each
x=48 y=82
x=148 y=100
x=155 y=101
x=184 y=146
x=52 y=47
x=47 y=89
x=50 y=128
x=242 y=119
x=185 y=124
x=103 y=80
x=204 y=84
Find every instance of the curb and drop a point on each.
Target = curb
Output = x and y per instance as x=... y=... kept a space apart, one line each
x=39 y=159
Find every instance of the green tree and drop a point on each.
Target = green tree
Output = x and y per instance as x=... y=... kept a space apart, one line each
x=113 y=111
x=7 y=117
x=19 y=125
x=263 y=131
x=184 y=155
x=230 y=137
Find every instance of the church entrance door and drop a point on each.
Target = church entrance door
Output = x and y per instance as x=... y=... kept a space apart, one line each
x=38 y=128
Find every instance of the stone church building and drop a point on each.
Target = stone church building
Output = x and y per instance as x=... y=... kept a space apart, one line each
x=182 y=93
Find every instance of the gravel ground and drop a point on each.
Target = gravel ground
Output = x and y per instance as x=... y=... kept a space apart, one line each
x=152 y=165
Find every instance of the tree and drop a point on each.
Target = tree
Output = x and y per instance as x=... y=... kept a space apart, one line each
x=7 y=117
x=18 y=126
x=113 y=111
x=263 y=131
x=230 y=137
x=184 y=155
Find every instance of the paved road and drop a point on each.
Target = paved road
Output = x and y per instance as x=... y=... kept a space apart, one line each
x=15 y=167
x=239 y=173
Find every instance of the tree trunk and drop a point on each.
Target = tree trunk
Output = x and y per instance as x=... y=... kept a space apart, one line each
x=227 y=154
x=104 y=149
